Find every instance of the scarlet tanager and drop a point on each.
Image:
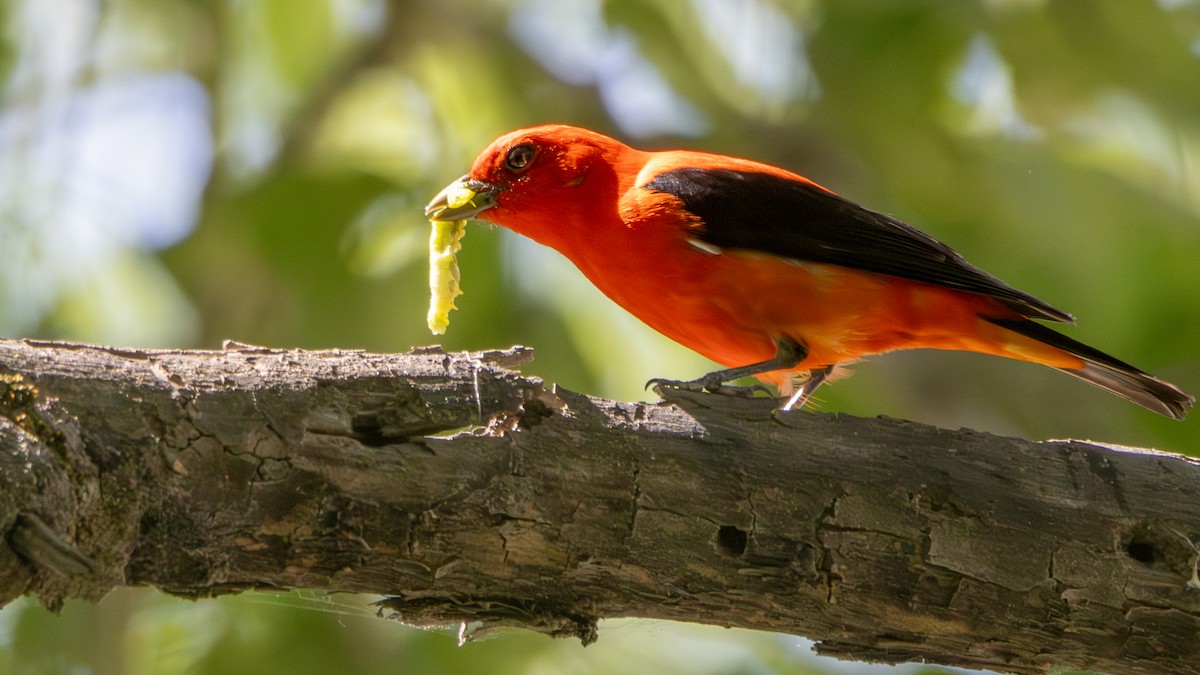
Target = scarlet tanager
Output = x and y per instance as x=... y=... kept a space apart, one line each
x=761 y=269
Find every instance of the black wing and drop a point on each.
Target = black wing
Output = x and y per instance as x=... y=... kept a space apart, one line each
x=762 y=212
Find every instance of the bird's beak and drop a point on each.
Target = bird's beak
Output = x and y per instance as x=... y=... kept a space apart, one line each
x=462 y=199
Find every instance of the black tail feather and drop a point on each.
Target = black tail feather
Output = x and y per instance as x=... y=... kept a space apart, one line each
x=1108 y=373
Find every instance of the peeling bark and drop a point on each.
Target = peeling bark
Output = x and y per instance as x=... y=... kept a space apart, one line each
x=466 y=493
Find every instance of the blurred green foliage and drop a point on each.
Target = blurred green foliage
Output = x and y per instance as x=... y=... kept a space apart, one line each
x=261 y=173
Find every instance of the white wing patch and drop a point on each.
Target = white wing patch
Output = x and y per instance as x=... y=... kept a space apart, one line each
x=704 y=246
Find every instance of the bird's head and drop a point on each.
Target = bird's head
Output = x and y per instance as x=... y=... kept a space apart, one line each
x=532 y=180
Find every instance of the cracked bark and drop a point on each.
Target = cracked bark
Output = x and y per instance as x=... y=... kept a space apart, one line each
x=466 y=493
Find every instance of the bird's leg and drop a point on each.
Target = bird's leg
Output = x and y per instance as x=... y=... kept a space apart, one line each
x=816 y=376
x=788 y=355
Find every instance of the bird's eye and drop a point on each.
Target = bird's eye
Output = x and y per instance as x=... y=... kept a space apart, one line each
x=519 y=157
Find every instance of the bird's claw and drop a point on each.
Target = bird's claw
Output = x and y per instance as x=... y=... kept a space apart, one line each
x=712 y=385
x=658 y=384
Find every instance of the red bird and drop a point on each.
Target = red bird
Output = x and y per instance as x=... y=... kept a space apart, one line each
x=761 y=269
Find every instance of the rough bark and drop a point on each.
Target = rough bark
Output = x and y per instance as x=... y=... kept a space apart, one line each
x=466 y=493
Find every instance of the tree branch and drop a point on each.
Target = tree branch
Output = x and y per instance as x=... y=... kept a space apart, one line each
x=466 y=492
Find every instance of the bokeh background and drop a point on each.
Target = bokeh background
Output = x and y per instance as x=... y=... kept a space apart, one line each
x=179 y=172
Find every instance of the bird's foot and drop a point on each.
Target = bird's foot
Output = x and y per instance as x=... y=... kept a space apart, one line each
x=711 y=383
